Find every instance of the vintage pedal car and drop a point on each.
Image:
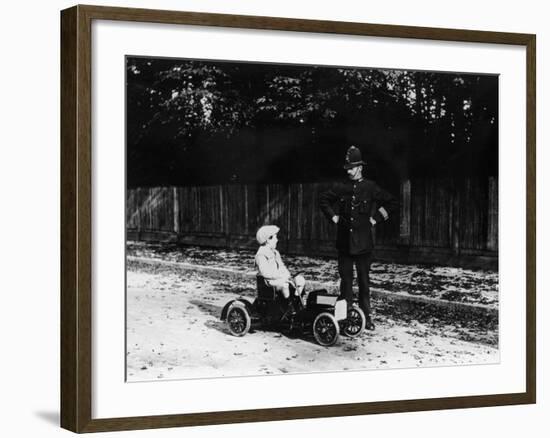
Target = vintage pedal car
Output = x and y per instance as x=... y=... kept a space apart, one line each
x=323 y=315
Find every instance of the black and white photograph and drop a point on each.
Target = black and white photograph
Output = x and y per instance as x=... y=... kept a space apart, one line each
x=285 y=219
x=269 y=219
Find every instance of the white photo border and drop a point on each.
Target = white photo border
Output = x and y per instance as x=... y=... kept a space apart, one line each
x=112 y=397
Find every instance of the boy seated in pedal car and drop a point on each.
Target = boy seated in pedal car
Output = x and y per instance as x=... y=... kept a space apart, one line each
x=270 y=265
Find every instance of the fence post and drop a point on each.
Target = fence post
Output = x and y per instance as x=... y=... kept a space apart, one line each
x=288 y=214
x=300 y=211
x=139 y=210
x=455 y=219
x=246 y=219
x=405 y=213
x=492 y=222
x=222 y=211
x=176 y=209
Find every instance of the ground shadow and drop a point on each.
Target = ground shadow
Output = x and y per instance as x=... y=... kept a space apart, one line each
x=208 y=308
x=213 y=311
x=219 y=325
x=51 y=417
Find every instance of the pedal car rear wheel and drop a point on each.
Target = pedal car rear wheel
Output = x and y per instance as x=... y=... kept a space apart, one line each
x=326 y=329
x=354 y=324
x=238 y=320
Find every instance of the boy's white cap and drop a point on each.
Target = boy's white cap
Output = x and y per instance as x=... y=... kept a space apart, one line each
x=266 y=232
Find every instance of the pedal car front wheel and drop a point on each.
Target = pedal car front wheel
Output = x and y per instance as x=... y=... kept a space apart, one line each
x=238 y=320
x=326 y=329
x=354 y=324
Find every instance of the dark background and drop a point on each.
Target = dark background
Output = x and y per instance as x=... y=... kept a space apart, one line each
x=192 y=123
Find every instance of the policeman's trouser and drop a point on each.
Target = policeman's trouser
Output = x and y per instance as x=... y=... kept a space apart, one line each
x=345 y=269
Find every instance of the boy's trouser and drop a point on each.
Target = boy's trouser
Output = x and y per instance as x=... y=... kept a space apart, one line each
x=281 y=285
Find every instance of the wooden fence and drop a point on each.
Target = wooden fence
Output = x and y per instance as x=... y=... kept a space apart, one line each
x=441 y=220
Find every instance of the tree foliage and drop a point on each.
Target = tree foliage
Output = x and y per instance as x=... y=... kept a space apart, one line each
x=184 y=113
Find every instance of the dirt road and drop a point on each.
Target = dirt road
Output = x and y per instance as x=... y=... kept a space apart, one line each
x=174 y=332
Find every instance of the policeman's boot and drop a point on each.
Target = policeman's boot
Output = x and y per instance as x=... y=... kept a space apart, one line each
x=369 y=325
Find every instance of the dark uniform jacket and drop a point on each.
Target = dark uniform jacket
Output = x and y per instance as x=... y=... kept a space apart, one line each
x=355 y=203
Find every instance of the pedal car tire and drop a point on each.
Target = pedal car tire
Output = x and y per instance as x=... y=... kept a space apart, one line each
x=238 y=320
x=325 y=329
x=354 y=324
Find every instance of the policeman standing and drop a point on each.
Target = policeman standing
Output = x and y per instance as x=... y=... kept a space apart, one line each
x=356 y=207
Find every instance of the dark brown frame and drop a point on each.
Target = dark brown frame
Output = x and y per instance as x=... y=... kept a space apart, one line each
x=76 y=238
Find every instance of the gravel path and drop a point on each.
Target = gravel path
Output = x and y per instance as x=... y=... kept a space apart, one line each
x=447 y=283
x=174 y=332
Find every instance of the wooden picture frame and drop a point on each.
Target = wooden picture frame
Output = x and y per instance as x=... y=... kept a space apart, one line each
x=76 y=218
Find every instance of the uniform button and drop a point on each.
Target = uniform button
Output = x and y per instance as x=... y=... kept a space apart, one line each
x=351 y=229
x=352 y=207
x=352 y=219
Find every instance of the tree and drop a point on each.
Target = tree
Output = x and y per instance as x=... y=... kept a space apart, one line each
x=184 y=112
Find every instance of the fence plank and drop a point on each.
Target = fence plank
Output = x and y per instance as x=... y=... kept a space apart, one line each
x=405 y=213
x=492 y=222
x=451 y=214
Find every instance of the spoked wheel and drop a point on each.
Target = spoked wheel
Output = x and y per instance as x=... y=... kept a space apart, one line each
x=354 y=324
x=325 y=329
x=238 y=321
